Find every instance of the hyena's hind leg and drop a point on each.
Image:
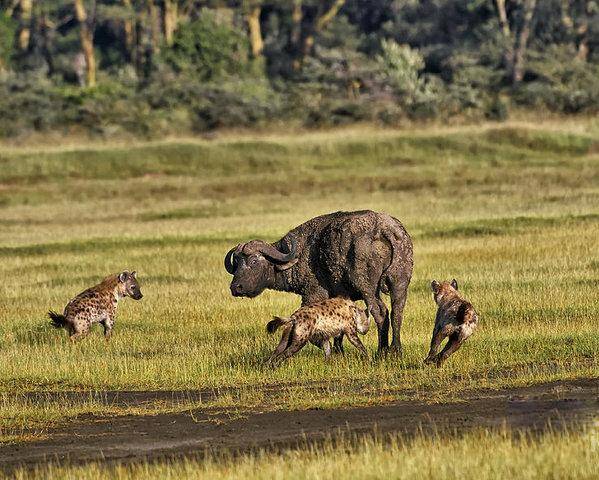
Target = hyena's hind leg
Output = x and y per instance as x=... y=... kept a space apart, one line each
x=79 y=328
x=294 y=346
x=353 y=338
x=283 y=344
x=437 y=338
x=455 y=341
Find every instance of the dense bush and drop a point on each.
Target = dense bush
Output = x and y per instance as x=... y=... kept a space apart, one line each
x=208 y=49
x=372 y=61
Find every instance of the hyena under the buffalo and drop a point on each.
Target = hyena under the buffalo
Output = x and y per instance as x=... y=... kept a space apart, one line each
x=97 y=305
x=456 y=319
x=357 y=255
x=318 y=323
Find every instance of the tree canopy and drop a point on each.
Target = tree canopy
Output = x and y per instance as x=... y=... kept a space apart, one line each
x=152 y=67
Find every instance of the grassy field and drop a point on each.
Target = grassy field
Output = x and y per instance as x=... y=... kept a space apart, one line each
x=564 y=456
x=511 y=211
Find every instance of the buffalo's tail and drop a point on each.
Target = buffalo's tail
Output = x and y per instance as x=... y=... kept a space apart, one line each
x=57 y=320
x=276 y=323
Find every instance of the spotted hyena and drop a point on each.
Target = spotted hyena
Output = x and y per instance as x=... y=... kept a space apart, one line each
x=456 y=319
x=318 y=323
x=97 y=305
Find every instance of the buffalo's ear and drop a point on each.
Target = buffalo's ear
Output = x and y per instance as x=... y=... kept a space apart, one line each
x=285 y=266
x=454 y=283
x=435 y=286
x=123 y=276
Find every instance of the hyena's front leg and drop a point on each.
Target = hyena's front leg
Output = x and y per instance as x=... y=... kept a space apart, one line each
x=436 y=340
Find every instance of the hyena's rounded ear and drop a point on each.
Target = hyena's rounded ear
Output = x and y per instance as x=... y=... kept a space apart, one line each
x=134 y=274
x=123 y=276
x=435 y=286
x=454 y=283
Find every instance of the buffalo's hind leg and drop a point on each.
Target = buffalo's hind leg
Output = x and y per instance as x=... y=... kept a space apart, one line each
x=379 y=311
x=398 y=290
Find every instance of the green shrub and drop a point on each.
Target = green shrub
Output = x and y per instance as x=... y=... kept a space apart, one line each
x=560 y=82
x=207 y=48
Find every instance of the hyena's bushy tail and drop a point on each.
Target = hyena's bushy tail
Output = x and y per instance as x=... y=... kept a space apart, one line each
x=276 y=323
x=57 y=320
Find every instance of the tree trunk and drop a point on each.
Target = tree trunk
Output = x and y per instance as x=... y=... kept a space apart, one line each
x=25 y=27
x=255 y=33
x=170 y=20
x=87 y=43
x=504 y=24
x=46 y=44
x=522 y=40
x=578 y=30
x=327 y=16
x=296 y=34
x=309 y=29
x=129 y=30
x=583 y=41
x=154 y=26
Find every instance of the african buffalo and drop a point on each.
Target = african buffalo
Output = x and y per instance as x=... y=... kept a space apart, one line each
x=350 y=254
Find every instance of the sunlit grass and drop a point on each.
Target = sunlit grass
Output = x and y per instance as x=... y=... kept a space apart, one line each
x=474 y=456
x=513 y=214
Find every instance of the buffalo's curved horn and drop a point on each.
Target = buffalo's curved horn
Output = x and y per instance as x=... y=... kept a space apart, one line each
x=230 y=261
x=278 y=256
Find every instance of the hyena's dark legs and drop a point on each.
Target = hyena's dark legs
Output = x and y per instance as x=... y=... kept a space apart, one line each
x=436 y=340
x=353 y=338
x=338 y=344
x=108 y=324
x=452 y=345
x=296 y=346
x=283 y=344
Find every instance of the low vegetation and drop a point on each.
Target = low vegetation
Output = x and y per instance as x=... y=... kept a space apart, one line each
x=476 y=455
x=512 y=213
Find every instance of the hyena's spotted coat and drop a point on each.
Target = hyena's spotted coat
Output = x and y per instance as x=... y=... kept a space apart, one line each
x=97 y=305
x=318 y=323
x=456 y=319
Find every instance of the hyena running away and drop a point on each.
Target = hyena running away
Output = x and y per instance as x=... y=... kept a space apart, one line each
x=456 y=319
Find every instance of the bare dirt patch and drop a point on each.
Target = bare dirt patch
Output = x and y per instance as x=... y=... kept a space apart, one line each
x=197 y=432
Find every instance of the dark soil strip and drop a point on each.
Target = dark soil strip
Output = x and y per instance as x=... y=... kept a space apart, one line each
x=146 y=438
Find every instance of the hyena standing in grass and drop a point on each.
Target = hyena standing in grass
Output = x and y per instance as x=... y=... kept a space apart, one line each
x=318 y=323
x=456 y=319
x=97 y=305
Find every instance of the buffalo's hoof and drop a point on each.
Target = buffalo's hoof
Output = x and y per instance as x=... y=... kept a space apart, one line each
x=395 y=350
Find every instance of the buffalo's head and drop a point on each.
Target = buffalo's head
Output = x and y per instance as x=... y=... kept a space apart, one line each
x=254 y=265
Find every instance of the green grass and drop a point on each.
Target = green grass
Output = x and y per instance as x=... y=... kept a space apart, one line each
x=474 y=456
x=512 y=213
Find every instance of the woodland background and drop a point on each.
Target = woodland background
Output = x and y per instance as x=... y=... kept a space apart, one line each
x=157 y=67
